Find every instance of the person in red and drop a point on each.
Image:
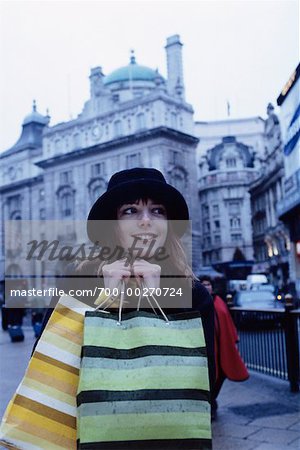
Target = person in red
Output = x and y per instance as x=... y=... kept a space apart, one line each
x=229 y=363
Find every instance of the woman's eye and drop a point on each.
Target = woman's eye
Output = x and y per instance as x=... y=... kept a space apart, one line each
x=129 y=211
x=159 y=211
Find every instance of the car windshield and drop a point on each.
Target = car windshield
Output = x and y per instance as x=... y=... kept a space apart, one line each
x=255 y=296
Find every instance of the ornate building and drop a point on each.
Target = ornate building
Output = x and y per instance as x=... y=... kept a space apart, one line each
x=134 y=117
x=228 y=164
x=270 y=237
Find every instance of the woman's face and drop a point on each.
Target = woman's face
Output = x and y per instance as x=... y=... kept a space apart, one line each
x=142 y=225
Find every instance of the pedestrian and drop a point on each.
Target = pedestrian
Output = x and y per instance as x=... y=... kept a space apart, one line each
x=229 y=363
x=147 y=217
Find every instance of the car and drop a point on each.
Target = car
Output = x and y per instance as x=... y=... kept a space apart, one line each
x=255 y=299
x=259 y=310
x=263 y=287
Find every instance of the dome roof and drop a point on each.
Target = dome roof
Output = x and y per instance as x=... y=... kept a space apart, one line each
x=35 y=116
x=132 y=71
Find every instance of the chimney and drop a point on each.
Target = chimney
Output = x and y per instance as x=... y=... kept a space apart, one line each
x=174 y=66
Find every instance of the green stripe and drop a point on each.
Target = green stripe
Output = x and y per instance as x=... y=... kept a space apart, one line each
x=143 y=407
x=143 y=322
x=144 y=378
x=146 y=361
x=145 y=426
x=118 y=337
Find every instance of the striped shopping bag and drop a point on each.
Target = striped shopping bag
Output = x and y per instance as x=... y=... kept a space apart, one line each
x=143 y=383
x=42 y=413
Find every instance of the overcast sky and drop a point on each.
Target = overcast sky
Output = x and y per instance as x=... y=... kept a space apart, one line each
x=241 y=50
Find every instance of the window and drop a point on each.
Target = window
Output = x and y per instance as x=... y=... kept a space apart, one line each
x=207 y=227
x=230 y=163
x=234 y=207
x=205 y=210
x=178 y=180
x=66 y=177
x=117 y=128
x=175 y=157
x=76 y=140
x=97 y=169
x=173 y=120
x=216 y=210
x=133 y=160
x=236 y=237
x=66 y=202
x=42 y=195
x=140 y=121
x=42 y=214
x=235 y=222
x=217 y=224
x=97 y=191
x=14 y=204
x=217 y=239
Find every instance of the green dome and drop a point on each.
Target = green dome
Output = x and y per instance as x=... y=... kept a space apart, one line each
x=131 y=72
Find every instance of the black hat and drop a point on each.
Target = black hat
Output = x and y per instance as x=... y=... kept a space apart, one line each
x=134 y=183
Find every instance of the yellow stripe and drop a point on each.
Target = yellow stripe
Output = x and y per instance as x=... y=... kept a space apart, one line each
x=61 y=330
x=22 y=436
x=61 y=343
x=51 y=439
x=67 y=323
x=25 y=415
x=56 y=363
x=50 y=391
x=50 y=380
x=54 y=372
x=68 y=312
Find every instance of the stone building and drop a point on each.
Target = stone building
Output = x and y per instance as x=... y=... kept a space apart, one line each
x=229 y=159
x=271 y=242
x=134 y=118
x=288 y=207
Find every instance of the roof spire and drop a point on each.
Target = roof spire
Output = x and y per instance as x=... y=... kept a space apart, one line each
x=132 y=57
x=34 y=105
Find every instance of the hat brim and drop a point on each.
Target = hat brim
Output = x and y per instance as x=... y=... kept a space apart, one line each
x=105 y=207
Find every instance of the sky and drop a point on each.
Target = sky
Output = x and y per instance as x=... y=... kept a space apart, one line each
x=240 y=51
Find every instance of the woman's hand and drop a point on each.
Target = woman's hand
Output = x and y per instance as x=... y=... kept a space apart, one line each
x=115 y=272
x=150 y=273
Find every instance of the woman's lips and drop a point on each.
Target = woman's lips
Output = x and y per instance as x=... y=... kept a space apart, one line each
x=145 y=236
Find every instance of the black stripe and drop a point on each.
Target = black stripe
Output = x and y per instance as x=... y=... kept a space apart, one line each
x=91 y=351
x=142 y=394
x=165 y=444
x=131 y=315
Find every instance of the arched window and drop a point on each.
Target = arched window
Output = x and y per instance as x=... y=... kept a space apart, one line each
x=66 y=201
x=96 y=188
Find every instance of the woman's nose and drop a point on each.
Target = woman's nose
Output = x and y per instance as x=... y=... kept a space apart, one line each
x=145 y=218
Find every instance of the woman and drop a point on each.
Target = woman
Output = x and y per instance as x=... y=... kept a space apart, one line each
x=144 y=217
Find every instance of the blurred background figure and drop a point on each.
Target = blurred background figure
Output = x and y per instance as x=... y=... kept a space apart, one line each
x=229 y=363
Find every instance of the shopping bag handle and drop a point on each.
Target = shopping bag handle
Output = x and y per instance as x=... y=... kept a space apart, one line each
x=108 y=301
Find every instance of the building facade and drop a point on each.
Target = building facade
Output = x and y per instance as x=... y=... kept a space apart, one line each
x=288 y=208
x=228 y=164
x=271 y=243
x=134 y=118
